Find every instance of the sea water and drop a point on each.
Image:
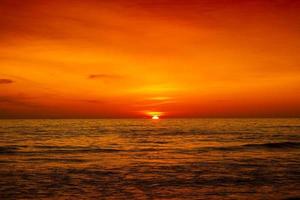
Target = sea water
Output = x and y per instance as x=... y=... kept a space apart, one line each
x=150 y=159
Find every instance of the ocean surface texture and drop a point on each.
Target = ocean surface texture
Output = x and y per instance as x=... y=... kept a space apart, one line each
x=150 y=159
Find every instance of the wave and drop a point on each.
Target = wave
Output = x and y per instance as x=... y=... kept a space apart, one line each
x=11 y=149
x=54 y=150
x=282 y=126
x=34 y=150
x=39 y=150
x=261 y=146
x=64 y=160
x=274 y=145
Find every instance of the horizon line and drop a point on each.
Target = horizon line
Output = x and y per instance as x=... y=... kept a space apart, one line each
x=143 y=118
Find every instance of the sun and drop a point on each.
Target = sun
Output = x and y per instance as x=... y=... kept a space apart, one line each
x=155 y=117
x=154 y=114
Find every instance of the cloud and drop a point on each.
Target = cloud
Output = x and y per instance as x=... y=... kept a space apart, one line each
x=18 y=100
x=104 y=76
x=91 y=101
x=6 y=81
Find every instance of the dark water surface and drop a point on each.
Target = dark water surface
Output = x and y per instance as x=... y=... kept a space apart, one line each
x=147 y=159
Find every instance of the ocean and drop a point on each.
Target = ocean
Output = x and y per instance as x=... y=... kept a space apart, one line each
x=150 y=159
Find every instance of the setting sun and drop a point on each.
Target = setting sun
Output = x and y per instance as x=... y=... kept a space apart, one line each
x=155 y=117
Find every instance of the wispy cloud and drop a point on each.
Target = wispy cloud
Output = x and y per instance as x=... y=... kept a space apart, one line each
x=104 y=76
x=92 y=101
x=160 y=98
x=18 y=100
x=6 y=81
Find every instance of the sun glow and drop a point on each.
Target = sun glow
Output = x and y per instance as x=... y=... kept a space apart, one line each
x=155 y=117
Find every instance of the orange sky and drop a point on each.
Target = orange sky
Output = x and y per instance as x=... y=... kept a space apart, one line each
x=120 y=58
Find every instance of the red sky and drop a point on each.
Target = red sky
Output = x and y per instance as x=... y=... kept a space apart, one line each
x=120 y=58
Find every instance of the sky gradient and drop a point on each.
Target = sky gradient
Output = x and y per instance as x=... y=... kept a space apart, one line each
x=175 y=58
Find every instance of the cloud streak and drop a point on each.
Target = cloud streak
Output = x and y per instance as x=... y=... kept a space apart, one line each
x=18 y=100
x=6 y=81
x=104 y=76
